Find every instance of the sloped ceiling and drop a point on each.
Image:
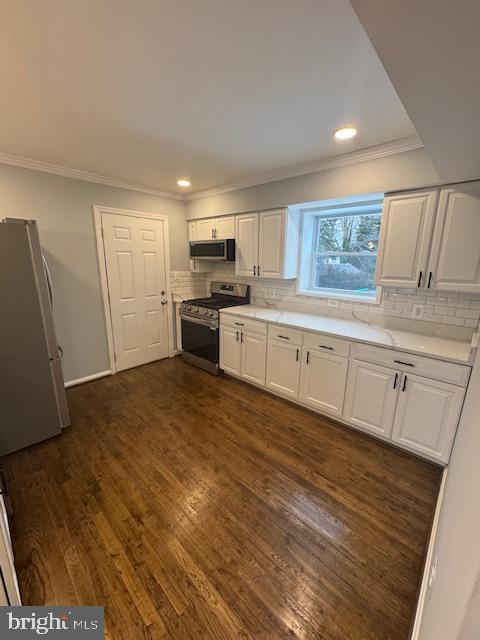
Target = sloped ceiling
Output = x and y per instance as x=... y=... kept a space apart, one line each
x=431 y=52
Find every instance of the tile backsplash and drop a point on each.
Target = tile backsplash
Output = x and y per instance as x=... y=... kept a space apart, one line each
x=445 y=308
x=186 y=284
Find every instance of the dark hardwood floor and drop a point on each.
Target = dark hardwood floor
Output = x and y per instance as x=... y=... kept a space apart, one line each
x=199 y=507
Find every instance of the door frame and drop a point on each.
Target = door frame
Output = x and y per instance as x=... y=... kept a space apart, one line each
x=98 y=210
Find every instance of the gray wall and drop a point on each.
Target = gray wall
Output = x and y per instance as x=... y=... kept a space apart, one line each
x=401 y=171
x=454 y=603
x=63 y=208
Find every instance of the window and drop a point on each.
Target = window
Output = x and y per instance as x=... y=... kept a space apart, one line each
x=339 y=249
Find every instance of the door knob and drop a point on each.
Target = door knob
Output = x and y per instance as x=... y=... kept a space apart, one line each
x=162 y=293
x=164 y=302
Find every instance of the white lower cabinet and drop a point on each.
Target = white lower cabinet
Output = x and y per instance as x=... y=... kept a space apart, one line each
x=323 y=381
x=230 y=350
x=371 y=397
x=427 y=416
x=283 y=368
x=370 y=388
x=254 y=354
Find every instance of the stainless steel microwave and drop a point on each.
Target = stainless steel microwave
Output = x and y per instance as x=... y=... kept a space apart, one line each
x=213 y=250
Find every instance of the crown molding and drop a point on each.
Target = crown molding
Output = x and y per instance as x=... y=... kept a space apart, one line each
x=332 y=162
x=78 y=174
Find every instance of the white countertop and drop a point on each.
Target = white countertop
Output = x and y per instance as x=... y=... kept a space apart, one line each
x=361 y=331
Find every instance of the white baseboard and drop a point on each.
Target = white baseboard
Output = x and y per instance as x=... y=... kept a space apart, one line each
x=94 y=376
x=422 y=598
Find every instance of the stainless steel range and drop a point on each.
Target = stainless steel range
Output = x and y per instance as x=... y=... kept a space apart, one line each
x=200 y=322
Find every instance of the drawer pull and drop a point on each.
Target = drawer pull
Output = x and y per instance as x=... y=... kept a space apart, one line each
x=395 y=381
x=404 y=383
x=239 y=324
x=283 y=337
x=298 y=354
x=323 y=346
x=408 y=364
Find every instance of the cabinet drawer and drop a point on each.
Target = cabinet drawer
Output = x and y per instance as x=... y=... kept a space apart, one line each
x=419 y=365
x=277 y=332
x=243 y=324
x=327 y=344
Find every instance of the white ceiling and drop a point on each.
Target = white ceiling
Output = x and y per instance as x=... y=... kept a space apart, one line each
x=217 y=90
x=436 y=71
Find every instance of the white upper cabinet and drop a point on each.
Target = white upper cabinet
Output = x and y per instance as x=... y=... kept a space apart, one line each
x=455 y=256
x=205 y=229
x=405 y=236
x=246 y=234
x=427 y=416
x=225 y=228
x=212 y=228
x=407 y=254
x=267 y=244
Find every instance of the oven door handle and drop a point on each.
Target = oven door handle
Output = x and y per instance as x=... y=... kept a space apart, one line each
x=206 y=323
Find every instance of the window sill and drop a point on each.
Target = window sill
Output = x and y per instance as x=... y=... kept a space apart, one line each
x=346 y=297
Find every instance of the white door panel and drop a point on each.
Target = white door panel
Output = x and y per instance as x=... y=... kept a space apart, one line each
x=283 y=368
x=407 y=223
x=323 y=382
x=371 y=397
x=271 y=246
x=137 y=286
x=246 y=233
x=230 y=349
x=455 y=258
x=254 y=355
x=427 y=416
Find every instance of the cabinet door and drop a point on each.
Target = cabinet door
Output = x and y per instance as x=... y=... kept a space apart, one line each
x=372 y=393
x=407 y=223
x=271 y=245
x=427 y=416
x=225 y=227
x=254 y=355
x=230 y=350
x=323 y=382
x=283 y=368
x=192 y=231
x=455 y=256
x=205 y=229
x=246 y=234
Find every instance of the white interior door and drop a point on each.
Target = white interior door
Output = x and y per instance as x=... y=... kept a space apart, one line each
x=137 y=287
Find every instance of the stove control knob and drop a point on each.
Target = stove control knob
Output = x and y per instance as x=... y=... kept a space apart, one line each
x=210 y=313
x=196 y=310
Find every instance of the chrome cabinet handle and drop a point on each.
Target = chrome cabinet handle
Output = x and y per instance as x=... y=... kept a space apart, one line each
x=395 y=381
x=407 y=364
x=419 y=279
x=404 y=383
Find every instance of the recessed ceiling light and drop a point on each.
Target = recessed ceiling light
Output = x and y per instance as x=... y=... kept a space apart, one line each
x=345 y=133
x=183 y=182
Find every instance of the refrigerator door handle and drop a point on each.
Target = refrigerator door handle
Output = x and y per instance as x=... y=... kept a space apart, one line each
x=49 y=281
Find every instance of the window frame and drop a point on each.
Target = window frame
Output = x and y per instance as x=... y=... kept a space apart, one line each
x=307 y=241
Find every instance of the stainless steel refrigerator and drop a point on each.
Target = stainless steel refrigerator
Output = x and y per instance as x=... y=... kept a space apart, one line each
x=33 y=404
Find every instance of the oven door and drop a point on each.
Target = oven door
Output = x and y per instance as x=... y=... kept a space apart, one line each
x=200 y=338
